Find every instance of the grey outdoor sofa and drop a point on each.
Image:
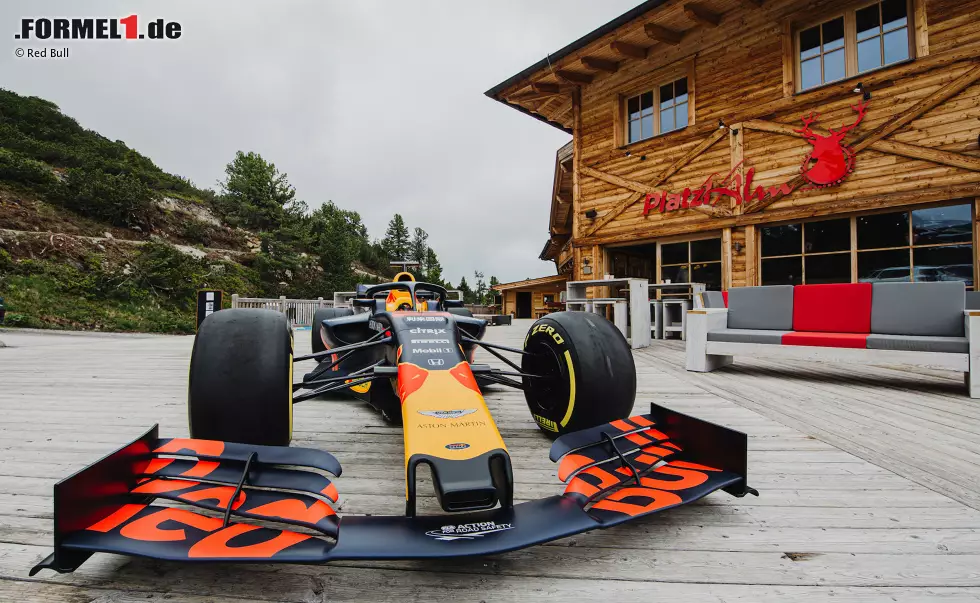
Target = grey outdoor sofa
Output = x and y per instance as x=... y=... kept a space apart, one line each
x=895 y=323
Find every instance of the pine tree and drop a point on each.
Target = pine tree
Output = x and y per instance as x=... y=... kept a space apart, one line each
x=433 y=269
x=417 y=250
x=465 y=289
x=480 y=293
x=396 y=241
x=492 y=293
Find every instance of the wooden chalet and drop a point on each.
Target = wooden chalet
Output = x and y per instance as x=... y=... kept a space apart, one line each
x=755 y=142
x=531 y=298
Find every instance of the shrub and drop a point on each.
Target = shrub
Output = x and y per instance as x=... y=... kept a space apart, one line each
x=30 y=174
x=121 y=200
x=197 y=232
x=167 y=273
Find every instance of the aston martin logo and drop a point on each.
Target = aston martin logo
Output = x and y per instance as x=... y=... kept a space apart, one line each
x=447 y=414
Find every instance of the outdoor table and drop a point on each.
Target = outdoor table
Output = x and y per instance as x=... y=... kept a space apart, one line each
x=635 y=326
x=695 y=289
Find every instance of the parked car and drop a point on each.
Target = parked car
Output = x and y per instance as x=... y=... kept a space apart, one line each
x=901 y=274
x=959 y=272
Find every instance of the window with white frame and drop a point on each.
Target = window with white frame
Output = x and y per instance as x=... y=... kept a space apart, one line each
x=658 y=111
x=864 y=38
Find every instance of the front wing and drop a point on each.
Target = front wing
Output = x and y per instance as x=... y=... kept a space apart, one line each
x=613 y=473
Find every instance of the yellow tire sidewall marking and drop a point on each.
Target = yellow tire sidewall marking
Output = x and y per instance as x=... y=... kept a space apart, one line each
x=571 y=390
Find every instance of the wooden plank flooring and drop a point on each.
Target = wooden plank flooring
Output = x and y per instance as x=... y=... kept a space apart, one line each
x=916 y=422
x=845 y=512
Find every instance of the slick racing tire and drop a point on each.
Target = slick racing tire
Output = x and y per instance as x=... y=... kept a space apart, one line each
x=241 y=378
x=316 y=332
x=587 y=373
x=461 y=312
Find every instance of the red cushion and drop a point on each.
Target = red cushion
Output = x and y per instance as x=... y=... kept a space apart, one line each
x=724 y=295
x=827 y=340
x=838 y=308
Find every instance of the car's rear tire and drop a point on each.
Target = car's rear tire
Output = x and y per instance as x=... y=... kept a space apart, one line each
x=316 y=332
x=590 y=375
x=241 y=378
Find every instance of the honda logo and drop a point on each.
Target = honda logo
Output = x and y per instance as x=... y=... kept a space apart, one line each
x=436 y=361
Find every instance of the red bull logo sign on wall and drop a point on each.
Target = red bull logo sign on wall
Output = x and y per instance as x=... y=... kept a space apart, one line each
x=827 y=164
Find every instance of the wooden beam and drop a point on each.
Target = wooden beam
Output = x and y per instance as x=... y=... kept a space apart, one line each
x=967 y=162
x=626 y=49
x=934 y=100
x=751 y=3
x=632 y=185
x=600 y=64
x=667 y=173
x=951 y=158
x=662 y=34
x=574 y=77
x=702 y=15
x=530 y=96
x=546 y=87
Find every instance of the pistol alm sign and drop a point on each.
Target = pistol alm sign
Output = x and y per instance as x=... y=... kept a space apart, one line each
x=827 y=164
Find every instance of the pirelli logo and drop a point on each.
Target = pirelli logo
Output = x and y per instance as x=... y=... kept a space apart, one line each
x=546 y=423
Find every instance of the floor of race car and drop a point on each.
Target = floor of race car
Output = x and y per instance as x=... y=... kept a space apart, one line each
x=869 y=480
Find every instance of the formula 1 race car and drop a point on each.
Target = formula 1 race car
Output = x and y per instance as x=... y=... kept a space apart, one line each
x=407 y=350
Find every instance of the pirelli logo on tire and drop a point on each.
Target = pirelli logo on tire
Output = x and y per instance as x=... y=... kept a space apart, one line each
x=548 y=330
x=546 y=423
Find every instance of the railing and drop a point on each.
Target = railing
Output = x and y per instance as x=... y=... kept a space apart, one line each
x=475 y=309
x=299 y=311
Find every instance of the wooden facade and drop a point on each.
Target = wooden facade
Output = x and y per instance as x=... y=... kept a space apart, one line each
x=745 y=108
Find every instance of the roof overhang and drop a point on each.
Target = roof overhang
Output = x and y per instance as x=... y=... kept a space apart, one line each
x=543 y=282
x=553 y=247
x=547 y=62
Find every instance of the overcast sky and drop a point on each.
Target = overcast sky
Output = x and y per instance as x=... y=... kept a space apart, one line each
x=377 y=106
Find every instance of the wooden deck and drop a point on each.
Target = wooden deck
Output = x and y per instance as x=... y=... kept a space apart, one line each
x=868 y=479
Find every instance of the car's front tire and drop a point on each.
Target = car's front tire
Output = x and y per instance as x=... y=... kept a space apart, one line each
x=241 y=378
x=588 y=374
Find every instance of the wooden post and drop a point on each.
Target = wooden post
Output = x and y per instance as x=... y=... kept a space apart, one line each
x=319 y=302
x=576 y=161
x=976 y=241
x=727 y=262
x=234 y=300
x=282 y=304
x=751 y=257
x=736 y=132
